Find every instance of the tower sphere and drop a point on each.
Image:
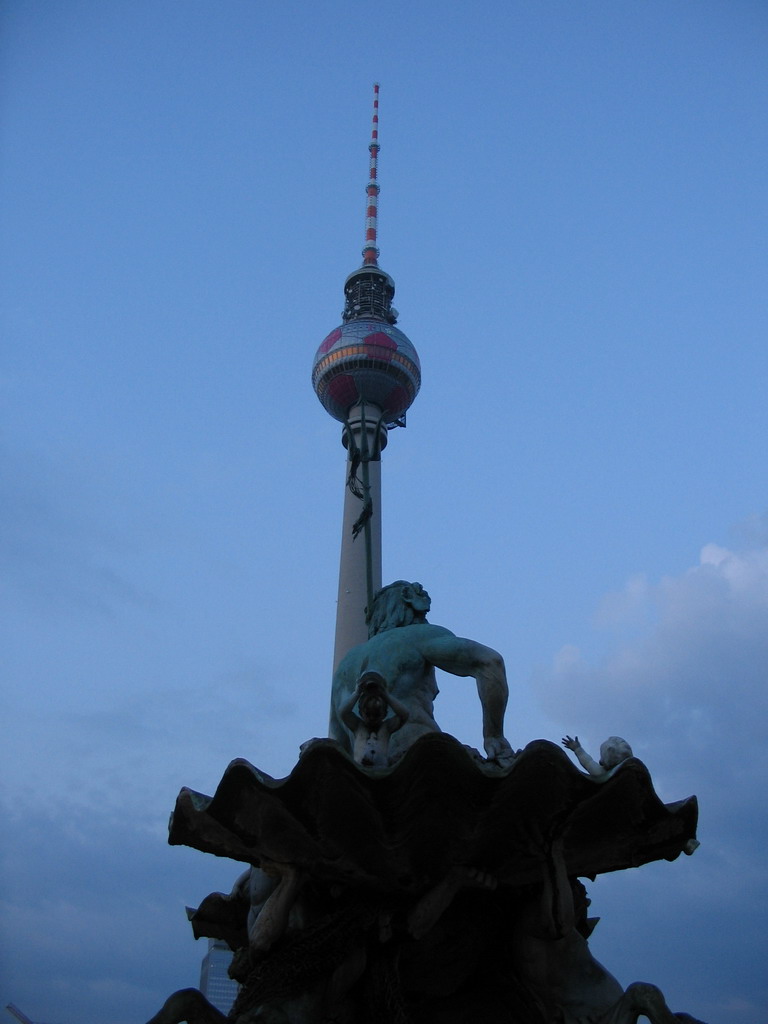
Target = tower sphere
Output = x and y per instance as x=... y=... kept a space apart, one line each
x=366 y=360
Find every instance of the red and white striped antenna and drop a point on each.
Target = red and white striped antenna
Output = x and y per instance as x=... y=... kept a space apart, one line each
x=370 y=251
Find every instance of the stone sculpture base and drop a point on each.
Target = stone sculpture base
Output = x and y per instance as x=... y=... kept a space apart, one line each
x=413 y=876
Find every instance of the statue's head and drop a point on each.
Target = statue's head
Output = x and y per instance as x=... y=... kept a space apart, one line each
x=399 y=604
x=581 y=901
x=614 y=751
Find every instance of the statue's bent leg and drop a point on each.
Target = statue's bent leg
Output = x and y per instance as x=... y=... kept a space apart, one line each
x=431 y=906
x=272 y=920
x=190 y=1005
x=641 y=1000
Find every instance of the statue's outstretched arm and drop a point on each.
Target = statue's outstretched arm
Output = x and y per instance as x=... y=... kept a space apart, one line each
x=587 y=763
x=463 y=657
x=347 y=715
x=272 y=920
x=401 y=713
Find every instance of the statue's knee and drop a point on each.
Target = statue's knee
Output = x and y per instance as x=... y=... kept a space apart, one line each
x=643 y=996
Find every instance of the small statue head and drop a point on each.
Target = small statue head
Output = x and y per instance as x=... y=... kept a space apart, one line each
x=613 y=751
x=373 y=706
x=398 y=604
x=581 y=901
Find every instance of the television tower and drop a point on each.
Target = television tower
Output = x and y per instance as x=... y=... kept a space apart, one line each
x=366 y=373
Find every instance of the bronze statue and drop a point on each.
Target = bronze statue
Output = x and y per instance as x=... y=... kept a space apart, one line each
x=404 y=650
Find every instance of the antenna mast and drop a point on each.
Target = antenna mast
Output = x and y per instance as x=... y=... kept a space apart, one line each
x=369 y=290
x=370 y=251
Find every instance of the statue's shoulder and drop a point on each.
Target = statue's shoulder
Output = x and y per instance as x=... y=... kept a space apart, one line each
x=415 y=633
x=425 y=631
x=386 y=642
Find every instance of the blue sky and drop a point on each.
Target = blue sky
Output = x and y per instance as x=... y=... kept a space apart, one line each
x=573 y=208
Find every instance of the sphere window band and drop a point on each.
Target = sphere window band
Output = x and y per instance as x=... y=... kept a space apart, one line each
x=360 y=367
x=371 y=352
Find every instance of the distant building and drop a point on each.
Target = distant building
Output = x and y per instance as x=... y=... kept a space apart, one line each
x=18 y=1014
x=215 y=984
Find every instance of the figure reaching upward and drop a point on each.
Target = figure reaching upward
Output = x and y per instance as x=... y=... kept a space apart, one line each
x=612 y=752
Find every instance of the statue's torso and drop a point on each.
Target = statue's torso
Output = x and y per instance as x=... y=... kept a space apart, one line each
x=397 y=655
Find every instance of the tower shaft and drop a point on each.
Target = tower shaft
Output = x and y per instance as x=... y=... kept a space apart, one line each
x=360 y=559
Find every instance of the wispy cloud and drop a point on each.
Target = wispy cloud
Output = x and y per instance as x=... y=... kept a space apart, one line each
x=55 y=551
x=682 y=673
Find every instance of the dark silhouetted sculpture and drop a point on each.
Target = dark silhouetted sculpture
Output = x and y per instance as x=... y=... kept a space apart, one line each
x=552 y=957
x=398 y=877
